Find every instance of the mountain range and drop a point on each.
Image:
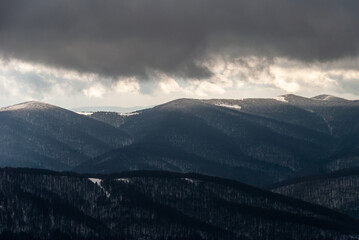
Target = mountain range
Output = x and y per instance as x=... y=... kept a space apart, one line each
x=256 y=141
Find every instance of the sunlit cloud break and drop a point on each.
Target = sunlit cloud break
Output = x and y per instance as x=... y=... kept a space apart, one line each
x=88 y=50
x=24 y=79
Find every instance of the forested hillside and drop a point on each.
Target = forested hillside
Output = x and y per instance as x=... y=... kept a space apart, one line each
x=258 y=141
x=337 y=190
x=38 y=204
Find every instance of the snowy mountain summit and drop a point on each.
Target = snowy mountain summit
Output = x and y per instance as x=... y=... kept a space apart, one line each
x=31 y=105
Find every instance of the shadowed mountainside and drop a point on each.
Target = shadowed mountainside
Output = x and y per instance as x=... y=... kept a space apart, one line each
x=257 y=141
x=40 y=135
x=273 y=138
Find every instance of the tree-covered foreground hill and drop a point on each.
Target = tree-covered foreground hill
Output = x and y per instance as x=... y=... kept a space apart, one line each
x=40 y=204
x=336 y=190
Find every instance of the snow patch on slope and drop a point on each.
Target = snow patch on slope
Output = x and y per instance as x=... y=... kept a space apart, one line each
x=97 y=182
x=124 y=180
x=280 y=99
x=121 y=114
x=85 y=113
x=237 y=107
x=190 y=180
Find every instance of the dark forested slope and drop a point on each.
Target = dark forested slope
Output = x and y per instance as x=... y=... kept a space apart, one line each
x=38 y=204
x=337 y=190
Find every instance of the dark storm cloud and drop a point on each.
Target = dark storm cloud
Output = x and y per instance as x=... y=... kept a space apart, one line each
x=135 y=37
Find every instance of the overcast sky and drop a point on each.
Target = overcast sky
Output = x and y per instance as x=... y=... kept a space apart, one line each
x=145 y=52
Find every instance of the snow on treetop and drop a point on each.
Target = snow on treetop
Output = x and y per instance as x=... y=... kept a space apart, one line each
x=128 y=114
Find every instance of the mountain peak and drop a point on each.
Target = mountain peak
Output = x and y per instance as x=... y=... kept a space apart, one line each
x=31 y=105
x=290 y=96
x=181 y=103
x=326 y=97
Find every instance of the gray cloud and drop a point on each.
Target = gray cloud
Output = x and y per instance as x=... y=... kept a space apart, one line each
x=136 y=37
